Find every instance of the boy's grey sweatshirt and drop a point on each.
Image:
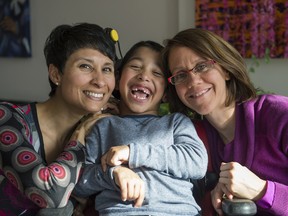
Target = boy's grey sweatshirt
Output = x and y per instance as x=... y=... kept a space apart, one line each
x=165 y=152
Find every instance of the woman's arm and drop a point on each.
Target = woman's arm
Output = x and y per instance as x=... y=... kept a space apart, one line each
x=49 y=186
x=267 y=185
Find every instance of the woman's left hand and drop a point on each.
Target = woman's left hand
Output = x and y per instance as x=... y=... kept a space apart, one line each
x=241 y=182
x=85 y=126
x=111 y=106
x=80 y=206
x=217 y=196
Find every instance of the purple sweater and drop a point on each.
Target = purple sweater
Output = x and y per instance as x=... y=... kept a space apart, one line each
x=260 y=144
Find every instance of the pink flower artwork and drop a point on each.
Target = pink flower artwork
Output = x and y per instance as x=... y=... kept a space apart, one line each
x=256 y=28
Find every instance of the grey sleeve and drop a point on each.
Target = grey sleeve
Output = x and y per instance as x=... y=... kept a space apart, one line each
x=94 y=180
x=92 y=147
x=186 y=158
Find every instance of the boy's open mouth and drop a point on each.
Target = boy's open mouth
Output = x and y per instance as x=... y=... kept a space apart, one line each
x=140 y=92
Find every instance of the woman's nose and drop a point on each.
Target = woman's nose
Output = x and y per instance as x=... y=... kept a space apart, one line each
x=193 y=79
x=98 y=80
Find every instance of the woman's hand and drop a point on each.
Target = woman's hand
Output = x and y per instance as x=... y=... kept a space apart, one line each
x=217 y=196
x=131 y=185
x=85 y=126
x=111 y=106
x=115 y=156
x=236 y=181
x=80 y=206
x=241 y=182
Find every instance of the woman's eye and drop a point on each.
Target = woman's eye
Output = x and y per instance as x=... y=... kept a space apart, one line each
x=200 y=68
x=181 y=74
x=108 y=70
x=86 y=67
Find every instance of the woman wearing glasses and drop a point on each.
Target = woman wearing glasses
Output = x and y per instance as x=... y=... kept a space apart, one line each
x=247 y=133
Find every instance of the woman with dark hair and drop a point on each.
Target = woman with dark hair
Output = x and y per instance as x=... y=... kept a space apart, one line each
x=41 y=147
x=247 y=134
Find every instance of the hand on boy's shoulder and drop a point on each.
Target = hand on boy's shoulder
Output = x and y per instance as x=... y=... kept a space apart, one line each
x=85 y=126
x=111 y=106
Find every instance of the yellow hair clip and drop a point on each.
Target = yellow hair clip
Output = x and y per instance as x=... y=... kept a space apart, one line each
x=114 y=35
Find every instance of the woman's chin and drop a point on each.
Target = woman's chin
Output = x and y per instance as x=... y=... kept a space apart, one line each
x=202 y=109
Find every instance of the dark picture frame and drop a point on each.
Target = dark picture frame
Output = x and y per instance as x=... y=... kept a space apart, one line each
x=15 y=38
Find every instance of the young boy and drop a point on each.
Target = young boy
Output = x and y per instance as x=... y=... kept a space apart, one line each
x=147 y=156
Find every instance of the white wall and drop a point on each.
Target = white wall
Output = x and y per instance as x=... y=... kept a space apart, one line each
x=135 y=20
x=272 y=77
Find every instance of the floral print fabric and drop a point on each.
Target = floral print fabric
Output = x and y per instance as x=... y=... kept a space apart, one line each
x=25 y=174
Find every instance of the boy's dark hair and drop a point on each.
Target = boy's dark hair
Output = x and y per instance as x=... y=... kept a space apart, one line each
x=66 y=39
x=130 y=53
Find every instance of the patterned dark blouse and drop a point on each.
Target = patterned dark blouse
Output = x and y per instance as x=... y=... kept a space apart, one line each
x=24 y=174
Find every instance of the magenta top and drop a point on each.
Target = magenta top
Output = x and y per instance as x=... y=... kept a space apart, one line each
x=260 y=144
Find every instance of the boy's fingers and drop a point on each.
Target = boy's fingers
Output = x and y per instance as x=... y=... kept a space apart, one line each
x=124 y=192
x=139 y=201
x=136 y=191
x=131 y=191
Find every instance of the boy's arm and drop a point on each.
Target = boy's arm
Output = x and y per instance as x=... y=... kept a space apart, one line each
x=119 y=178
x=94 y=180
x=185 y=158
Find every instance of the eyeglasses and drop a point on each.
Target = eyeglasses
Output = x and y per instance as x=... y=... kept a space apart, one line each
x=182 y=75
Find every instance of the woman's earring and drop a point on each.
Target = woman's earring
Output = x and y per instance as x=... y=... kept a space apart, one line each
x=56 y=83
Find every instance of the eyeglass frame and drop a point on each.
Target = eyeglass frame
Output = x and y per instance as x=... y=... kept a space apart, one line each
x=190 y=70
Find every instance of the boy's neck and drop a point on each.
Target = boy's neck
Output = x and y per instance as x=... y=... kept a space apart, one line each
x=138 y=113
x=125 y=110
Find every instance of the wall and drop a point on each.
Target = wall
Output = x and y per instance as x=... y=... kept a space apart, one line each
x=27 y=78
x=272 y=77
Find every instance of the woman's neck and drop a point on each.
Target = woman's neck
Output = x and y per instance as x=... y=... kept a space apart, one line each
x=57 y=115
x=224 y=122
x=57 y=123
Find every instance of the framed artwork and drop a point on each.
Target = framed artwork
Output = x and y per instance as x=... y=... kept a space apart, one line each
x=255 y=28
x=15 y=39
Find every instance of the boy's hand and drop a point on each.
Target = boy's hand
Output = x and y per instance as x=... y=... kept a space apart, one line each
x=131 y=185
x=115 y=156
